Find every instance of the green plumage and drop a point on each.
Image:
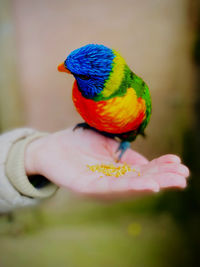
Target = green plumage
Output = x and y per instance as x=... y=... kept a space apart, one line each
x=131 y=80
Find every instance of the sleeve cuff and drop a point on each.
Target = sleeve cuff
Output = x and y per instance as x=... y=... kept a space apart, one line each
x=16 y=172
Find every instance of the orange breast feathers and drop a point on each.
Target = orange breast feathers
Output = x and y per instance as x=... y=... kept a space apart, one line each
x=119 y=114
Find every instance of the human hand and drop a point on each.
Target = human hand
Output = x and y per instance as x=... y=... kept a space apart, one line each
x=63 y=157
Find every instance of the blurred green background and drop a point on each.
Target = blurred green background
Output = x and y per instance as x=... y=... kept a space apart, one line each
x=160 y=41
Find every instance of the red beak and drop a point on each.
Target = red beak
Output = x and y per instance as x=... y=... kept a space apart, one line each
x=62 y=68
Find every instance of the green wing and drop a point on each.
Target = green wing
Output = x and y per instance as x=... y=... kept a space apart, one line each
x=142 y=91
x=132 y=80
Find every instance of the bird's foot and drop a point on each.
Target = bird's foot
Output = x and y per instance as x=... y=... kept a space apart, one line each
x=82 y=125
x=123 y=146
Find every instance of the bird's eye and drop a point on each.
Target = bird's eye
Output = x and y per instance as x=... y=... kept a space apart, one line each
x=83 y=77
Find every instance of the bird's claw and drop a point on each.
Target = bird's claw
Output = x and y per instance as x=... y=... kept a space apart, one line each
x=123 y=146
x=81 y=125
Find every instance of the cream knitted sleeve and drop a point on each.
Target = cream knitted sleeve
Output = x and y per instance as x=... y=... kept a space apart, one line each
x=15 y=187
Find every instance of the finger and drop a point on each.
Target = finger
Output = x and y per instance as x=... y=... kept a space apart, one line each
x=153 y=168
x=169 y=158
x=174 y=168
x=167 y=180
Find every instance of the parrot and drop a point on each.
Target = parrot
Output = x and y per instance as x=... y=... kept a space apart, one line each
x=111 y=99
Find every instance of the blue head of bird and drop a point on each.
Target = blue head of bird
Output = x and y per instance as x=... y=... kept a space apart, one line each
x=91 y=66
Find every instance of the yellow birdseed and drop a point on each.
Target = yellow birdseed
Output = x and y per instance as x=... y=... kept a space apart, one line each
x=111 y=169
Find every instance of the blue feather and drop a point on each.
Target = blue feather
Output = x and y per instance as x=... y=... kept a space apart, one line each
x=95 y=62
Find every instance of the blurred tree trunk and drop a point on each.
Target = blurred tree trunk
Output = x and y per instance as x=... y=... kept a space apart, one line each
x=185 y=205
x=10 y=101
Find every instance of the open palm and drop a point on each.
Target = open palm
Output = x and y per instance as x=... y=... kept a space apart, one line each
x=63 y=157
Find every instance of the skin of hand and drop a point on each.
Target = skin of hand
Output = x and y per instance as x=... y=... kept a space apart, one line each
x=62 y=157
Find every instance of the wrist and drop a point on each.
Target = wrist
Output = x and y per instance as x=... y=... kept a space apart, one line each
x=23 y=161
x=31 y=156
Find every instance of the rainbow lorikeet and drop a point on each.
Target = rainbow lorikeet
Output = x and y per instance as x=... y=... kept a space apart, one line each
x=110 y=98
